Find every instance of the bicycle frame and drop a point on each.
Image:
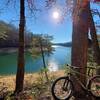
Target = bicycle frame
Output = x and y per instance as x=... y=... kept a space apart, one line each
x=63 y=87
x=71 y=74
x=85 y=88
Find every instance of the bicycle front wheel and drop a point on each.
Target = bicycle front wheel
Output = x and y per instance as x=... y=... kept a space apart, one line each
x=94 y=86
x=62 y=88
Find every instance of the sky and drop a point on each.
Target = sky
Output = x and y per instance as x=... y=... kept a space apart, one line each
x=42 y=22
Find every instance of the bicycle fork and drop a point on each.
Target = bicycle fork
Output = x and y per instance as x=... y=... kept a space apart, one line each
x=66 y=84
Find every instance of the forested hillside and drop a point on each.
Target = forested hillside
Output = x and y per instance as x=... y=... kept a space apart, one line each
x=9 y=35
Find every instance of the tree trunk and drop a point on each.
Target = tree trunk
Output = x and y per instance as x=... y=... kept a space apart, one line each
x=44 y=64
x=20 y=68
x=95 y=43
x=79 y=49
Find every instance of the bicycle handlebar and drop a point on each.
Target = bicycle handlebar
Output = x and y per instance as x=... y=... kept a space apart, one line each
x=80 y=67
x=88 y=71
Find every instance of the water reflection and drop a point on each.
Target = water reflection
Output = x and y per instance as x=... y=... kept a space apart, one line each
x=53 y=65
x=54 y=61
x=55 y=46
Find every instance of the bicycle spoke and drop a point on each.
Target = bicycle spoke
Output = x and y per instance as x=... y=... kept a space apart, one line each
x=62 y=88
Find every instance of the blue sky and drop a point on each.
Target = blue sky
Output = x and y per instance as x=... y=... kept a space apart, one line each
x=44 y=23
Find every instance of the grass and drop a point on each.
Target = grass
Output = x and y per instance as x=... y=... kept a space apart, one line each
x=35 y=86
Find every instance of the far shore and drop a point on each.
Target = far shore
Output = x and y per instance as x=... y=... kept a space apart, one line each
x=10 y=50
x=15 y=49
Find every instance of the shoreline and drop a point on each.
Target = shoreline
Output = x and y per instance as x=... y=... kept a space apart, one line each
x=11 y=50
x=8 y=50
x=15 y=49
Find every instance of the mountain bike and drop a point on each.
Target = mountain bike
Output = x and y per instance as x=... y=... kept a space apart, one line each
x=63 y=87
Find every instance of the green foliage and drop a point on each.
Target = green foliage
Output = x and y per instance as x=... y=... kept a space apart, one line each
x=44 y=70
x=39 y=89
x=40 y=41
x=66 y=69
x=90 y=55
x=44 y=74
x=35 y=53
x=42 y=87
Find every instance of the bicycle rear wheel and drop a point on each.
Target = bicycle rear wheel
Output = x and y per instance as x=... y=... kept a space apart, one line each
x=62 y=88
x=94 y=86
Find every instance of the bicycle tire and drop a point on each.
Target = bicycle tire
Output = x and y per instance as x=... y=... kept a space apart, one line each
x=94 y=86
x=68 y=91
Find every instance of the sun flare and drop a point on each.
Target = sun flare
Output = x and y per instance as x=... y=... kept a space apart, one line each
x=55 y=15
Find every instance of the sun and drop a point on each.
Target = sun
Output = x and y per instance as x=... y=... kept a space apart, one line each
x=55 y=15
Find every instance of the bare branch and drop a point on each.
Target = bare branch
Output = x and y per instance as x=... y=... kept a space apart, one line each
x=32 y=8
x=8 y=2
x=50 y=3
x=95 y=12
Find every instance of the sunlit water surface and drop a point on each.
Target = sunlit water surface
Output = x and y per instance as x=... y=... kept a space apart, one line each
x=54 y=61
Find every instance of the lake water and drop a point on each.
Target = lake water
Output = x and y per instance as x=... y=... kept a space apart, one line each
x=55 y=61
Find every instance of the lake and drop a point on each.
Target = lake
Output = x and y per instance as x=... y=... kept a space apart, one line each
x=55 y=61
